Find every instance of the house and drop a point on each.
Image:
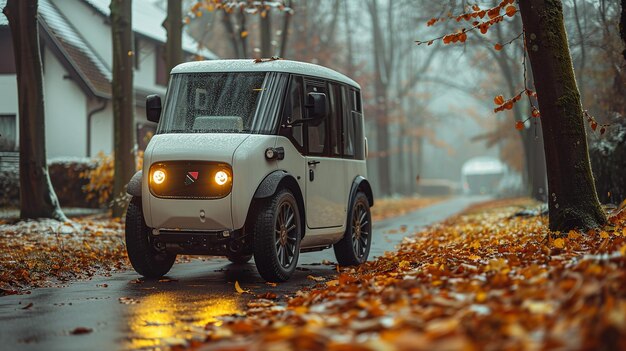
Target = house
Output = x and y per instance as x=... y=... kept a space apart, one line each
x=76 y=51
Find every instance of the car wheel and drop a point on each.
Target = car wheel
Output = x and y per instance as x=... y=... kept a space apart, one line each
x=354 y=247
x=238 y=258
x=277 y=235
x=144 y=257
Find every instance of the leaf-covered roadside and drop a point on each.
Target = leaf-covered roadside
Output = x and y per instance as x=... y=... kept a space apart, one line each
x=393 y=207
x=45 y=252
x=482 y=280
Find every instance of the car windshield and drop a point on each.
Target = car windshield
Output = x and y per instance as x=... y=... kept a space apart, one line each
x=233 y=102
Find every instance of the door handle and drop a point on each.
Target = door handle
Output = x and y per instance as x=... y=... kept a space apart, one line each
x=313 y=163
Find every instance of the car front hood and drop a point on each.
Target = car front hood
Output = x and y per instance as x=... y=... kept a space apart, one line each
x=195 y=147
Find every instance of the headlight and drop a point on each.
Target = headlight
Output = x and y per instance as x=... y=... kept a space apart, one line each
x=221 y=177
x=158 y=177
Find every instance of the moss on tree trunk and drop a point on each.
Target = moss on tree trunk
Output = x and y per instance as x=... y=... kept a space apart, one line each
x=37 y=198
x=573 y=202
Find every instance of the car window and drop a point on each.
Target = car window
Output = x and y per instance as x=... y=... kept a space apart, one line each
x=357 y=119
x=316 y=131
x=334 y=119
x=359 y=145
x=348 y=127
x=293 y=111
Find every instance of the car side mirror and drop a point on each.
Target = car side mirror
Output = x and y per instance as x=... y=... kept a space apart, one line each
x=153 y=108
x=317 y=104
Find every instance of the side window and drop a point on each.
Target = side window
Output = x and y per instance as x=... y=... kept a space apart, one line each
x=293 y=111
x=357 y=119
x=347 y=123
x=359 y=149
x=334 y=119
x=316 y=131
x=356 y=101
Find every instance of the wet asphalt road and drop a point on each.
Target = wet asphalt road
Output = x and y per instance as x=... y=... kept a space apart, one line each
x=126 y=315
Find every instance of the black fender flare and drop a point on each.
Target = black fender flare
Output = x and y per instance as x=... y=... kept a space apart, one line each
x=361 y=184
x=278 y=180
x=358 y=184
x=134 y=186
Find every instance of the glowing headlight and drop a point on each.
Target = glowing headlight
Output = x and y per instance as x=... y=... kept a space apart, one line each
x=158 y=176
x=221 y=177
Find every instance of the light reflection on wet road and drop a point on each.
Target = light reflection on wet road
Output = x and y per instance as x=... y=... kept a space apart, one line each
x=127 y=315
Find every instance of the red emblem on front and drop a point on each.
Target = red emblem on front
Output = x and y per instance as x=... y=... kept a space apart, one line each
x=191 y=178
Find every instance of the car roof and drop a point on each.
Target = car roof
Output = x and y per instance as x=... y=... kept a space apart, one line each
x=249 y=65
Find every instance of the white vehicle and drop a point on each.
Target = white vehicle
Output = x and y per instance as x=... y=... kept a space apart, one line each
x=482 y=175
x=263 y=159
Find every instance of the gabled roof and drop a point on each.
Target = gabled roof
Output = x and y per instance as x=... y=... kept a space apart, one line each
x=84 y=61
x=148 y=21
x=249 y=65
x=78 y=58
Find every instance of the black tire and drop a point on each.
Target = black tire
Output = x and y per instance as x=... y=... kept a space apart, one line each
x=354 y=247
x=146 y=260
x=277 y=235
x=237 y=258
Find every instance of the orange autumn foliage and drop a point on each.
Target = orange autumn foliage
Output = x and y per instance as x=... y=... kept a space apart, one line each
x=487 y=279
x=100 y=184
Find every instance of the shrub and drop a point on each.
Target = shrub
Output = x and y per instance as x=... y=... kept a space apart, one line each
x=9 y=188
x=99 y=186
x=65 y=176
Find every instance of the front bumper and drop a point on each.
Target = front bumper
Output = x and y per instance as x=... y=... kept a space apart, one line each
x=200 y=242
x=198 y=215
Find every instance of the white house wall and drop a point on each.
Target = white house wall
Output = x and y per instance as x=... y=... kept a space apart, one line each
x=101 y=129
x=66 y=111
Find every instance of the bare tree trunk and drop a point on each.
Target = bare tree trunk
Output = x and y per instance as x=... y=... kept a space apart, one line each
x=234 y=37
x=266 y=35
x=350 y=51
x=382 y=109
x=573 y=202
x=622 y=26
x=581 y=67
x=37 y=197
x=243 y=39
x=123 y=104
x=174 y=26
x=285 y=31
x=535 y=162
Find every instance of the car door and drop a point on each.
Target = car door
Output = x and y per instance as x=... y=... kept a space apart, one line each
x=326 y=186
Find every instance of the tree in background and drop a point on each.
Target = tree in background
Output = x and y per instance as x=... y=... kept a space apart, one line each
x=573 y=201
x=37 y=197
x=174 y=26
x=622 y=26
x=235 y=25
x=123 y=101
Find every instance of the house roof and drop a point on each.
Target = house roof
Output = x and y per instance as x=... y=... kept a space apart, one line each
x=249 y=65
x=148 y=20
x=78 y=57
x=83 y=59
